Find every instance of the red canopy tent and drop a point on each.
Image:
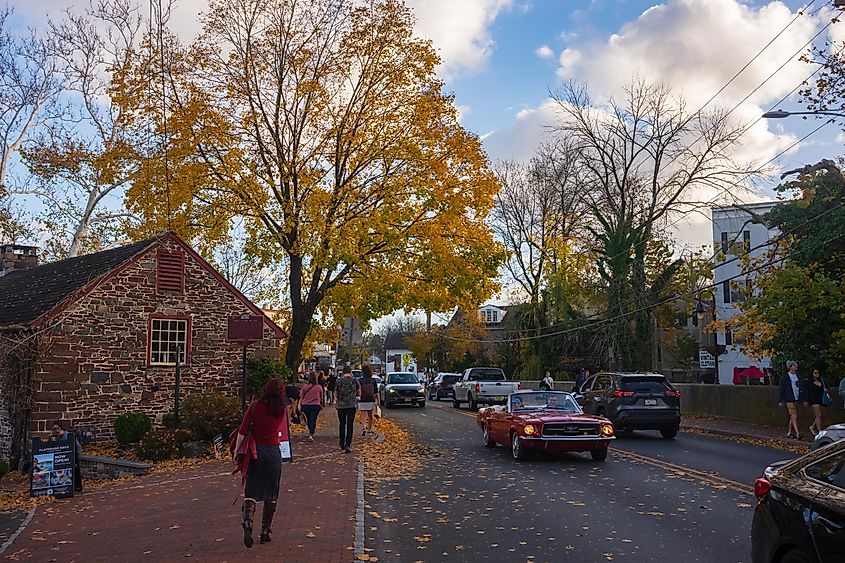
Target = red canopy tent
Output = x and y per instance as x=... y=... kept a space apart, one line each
x=752 y=372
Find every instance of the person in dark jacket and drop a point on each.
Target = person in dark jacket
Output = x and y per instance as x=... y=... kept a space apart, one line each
x=59 y=433
x=791 y=392
x=263 y=421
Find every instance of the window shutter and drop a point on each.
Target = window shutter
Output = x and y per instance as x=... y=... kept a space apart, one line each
x=170 y=274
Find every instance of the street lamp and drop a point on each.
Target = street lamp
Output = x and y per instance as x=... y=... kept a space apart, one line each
x=780 y=114
x=700 y=310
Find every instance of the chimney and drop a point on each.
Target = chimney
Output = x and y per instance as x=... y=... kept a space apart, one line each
x=17 y=257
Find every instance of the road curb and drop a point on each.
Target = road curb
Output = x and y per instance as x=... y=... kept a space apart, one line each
x=18 y=532
x=731 y=434
x=359 y=512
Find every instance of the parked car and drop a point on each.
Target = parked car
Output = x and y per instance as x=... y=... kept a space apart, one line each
x=441 y=386
x=482 y=386
x=800 y=514
x=548 y=421
x=633 y=401
x=829 y=435
x=402 y=388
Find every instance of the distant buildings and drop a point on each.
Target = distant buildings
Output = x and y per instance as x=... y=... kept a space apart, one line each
x=734 y=231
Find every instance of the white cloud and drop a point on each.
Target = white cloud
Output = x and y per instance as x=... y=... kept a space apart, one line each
x=459 y=30
x=544 y=52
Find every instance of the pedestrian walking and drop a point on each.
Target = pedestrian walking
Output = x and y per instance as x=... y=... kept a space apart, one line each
x=369 y=399
x=348 y=393
x=791 y=392
x=332 y=385
x=580 y=379
x=548 y=382
x=323 y=382
x=312 y=400
x=819 y=398
x=60 y=434
x=262 y=427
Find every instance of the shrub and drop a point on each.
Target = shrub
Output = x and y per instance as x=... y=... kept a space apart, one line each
x=208 y=414
x=261 y=370
x=169 y=420
x=130 y=427
x=160 y=444
x=4 y=467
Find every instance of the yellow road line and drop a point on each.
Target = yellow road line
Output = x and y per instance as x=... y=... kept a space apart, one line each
x=709 y=478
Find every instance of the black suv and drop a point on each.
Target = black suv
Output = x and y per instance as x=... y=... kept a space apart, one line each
x=633 y=401
x=442 y=385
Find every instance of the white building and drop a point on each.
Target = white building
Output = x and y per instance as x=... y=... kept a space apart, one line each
x=734 y=233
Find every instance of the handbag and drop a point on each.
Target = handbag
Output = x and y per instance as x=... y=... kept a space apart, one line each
x=826 y=399
x=233 y=437
x=377 y=411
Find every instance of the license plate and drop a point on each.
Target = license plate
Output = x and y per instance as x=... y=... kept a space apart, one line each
x=650 y=402
x=498 y=398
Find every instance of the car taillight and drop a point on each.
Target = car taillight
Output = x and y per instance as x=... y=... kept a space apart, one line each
x=477 y=388
x=623 y=393
x=762 y=486
x=672 y=393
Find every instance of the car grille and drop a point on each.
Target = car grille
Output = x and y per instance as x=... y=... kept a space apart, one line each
x=570 y=429
x=406 y=393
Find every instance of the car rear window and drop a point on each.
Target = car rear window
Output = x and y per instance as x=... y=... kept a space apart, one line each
x=451 y=378
x=645 y=384
x=487 y=375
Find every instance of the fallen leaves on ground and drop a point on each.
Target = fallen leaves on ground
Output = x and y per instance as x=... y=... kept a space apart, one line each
x=396 y=455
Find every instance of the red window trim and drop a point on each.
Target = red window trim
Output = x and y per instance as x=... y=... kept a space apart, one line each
x=188 y=339
x=174 y=254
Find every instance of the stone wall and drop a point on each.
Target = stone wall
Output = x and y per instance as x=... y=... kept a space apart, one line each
x=97 y=468
x=93 y=365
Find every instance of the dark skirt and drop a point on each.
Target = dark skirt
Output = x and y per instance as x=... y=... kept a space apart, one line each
x=264 y=474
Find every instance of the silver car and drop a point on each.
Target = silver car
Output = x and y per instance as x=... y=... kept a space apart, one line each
x=829 y=435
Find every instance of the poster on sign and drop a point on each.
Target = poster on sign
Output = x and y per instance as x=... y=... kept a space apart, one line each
x=52 y=467
x=284 y=441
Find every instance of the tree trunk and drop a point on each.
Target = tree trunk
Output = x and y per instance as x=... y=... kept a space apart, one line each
x=299 y=326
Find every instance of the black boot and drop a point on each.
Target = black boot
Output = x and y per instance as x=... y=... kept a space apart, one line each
x=267 y=521
x=248 y=509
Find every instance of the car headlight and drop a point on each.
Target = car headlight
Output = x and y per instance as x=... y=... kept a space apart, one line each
x=607 y=430
x=391 y=390
x=529 y=429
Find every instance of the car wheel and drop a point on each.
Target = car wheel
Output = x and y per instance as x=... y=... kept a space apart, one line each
x=669 y=434
x=473 y=406
x=820 y=444
x=599 y=454
x=456 y=403
x=388 y=404
x=517 y=450
x=796 y=556
x=421 y=404
x=488 y=441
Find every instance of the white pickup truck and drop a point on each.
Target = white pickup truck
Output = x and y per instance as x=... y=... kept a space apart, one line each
x=483 y=386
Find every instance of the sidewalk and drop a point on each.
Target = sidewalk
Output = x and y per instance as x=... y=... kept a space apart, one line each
x=189 y=514
x=773 y=436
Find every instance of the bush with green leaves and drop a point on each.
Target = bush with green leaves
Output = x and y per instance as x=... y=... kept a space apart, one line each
x=130 y=427
x=261 y=370
x=209 y=414
x=169 y=420
x=162 y=444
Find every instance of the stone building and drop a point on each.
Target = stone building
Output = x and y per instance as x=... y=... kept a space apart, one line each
x=88 y=338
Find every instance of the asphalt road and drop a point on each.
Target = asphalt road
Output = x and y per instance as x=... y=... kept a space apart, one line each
x=689 y=499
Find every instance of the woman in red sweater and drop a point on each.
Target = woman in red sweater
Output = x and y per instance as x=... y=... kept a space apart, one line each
x=263 y=420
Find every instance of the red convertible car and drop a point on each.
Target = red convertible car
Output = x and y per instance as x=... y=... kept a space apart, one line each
x=545 y=420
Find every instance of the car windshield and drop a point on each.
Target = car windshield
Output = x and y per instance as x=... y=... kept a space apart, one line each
x=451 y=378
x=645 y=384
x=543 y=401
x=402 y=378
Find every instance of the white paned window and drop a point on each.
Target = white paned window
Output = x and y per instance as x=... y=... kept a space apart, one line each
x=166 y=337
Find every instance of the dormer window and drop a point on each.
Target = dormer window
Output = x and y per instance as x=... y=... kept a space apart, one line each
x=489 y=315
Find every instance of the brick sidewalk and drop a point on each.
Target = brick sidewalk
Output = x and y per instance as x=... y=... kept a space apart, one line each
x=171 y=517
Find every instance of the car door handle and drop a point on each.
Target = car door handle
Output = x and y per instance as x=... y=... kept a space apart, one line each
x=830 y=525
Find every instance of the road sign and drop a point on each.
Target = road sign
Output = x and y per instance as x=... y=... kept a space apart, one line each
x=245 y=329
x=706 y=360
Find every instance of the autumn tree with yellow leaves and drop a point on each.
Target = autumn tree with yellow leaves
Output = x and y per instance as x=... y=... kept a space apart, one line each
x=323 y=126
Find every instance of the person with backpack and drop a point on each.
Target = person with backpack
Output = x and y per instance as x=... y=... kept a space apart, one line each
x=369 y=399
x=312 y=402
x=348 y=392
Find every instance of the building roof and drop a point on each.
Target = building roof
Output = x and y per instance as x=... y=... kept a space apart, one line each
x=29 y=294
x=398 y=340
x=32 y=294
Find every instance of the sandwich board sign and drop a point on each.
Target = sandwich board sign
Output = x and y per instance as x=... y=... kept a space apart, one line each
x=52 y=467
